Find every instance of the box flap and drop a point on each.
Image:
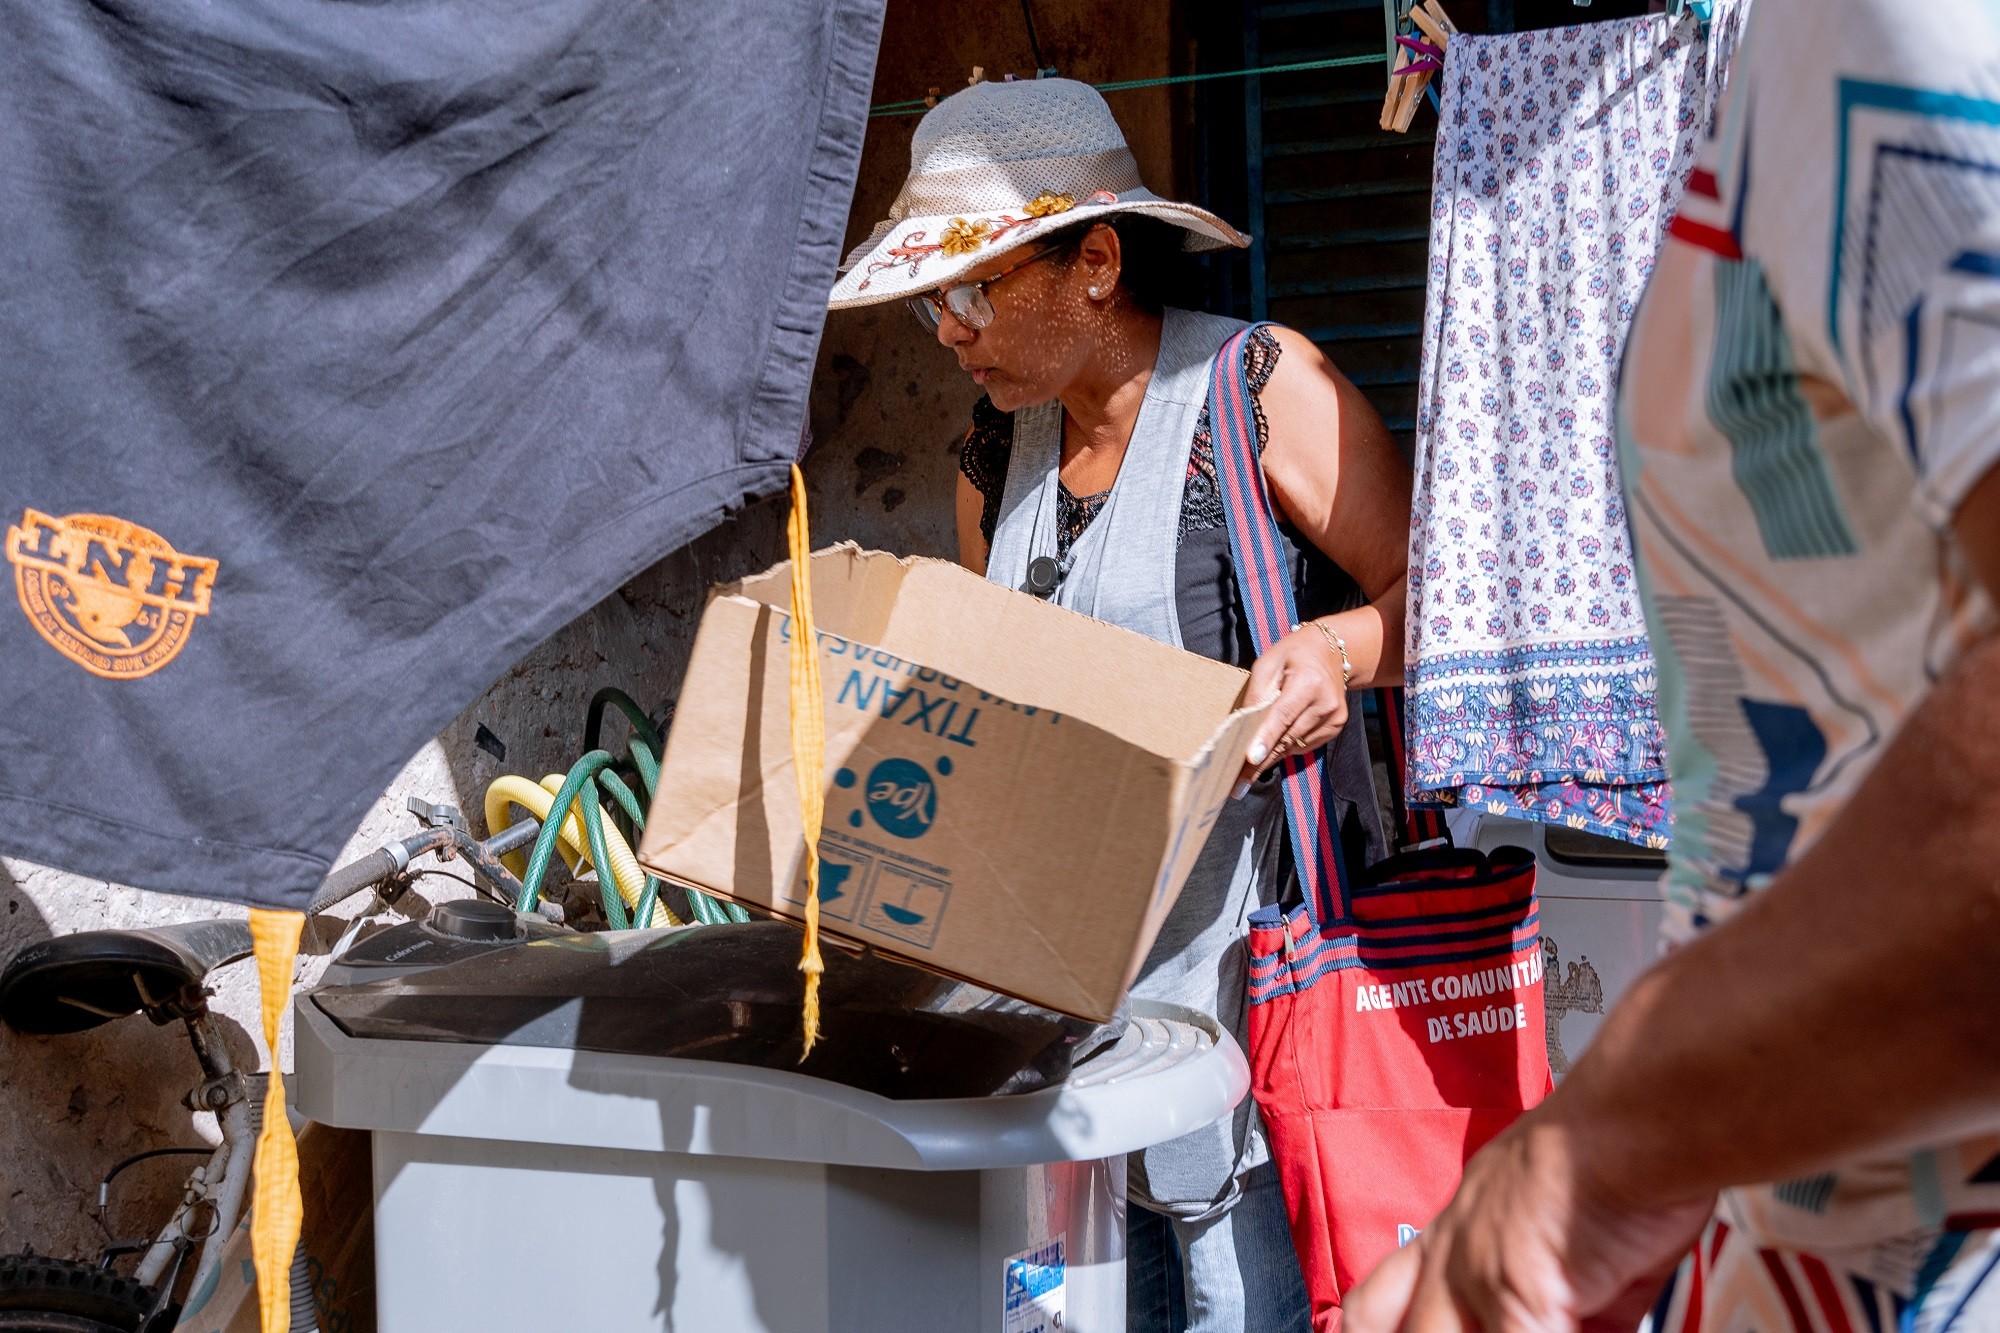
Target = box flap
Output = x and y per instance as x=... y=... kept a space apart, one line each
x=1030 y=651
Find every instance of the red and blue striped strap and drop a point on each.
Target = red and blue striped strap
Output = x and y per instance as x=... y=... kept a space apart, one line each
x=1264 y=577
x=1423 y=825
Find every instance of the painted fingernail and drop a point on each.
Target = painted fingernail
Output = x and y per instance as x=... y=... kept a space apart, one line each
x=1257 y=751
x=1242 y=789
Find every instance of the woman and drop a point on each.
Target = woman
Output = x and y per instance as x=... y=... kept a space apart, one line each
x=1024 y=239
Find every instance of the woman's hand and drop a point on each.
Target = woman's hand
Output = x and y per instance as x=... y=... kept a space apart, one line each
x=1303 y=674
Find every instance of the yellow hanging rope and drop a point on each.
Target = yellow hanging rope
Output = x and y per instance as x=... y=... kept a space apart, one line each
x=276 y=1210
x=808 y=741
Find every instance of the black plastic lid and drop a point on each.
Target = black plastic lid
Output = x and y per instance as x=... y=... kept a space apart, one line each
x=474 y=919
x=727 y=994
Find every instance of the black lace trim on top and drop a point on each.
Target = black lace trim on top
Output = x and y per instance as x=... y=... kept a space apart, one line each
x=989 y=446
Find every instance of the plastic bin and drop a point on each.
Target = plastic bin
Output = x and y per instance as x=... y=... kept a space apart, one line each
x=535 y=1188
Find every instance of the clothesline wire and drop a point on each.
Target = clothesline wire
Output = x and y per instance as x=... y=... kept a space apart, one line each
x=1034 y=45
x=916 y=106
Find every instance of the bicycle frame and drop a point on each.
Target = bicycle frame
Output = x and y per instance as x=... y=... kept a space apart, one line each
x=217 y=1187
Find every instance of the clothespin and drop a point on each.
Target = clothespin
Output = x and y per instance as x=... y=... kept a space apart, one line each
x=1424 y=58
x=1412 y=97
x=1411 y=75
x=1703 y=11
x=978 y=75
x=931 y=97
x=1417 y=59
x=1392 y=100
x=1440 y=36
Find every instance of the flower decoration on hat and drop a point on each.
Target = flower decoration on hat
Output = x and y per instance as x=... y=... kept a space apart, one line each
x=963 y=236
x=1048 y=203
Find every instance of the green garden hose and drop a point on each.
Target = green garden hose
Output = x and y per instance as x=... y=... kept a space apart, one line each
x=598 y=768
x=579 y=777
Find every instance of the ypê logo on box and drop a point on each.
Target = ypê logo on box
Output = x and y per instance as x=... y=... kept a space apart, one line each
x=902 y=798
x=899 y=793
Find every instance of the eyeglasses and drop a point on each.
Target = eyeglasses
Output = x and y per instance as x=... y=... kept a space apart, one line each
x=967 y=301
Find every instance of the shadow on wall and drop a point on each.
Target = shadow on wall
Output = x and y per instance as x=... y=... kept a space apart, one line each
x=639 y=639
x=890 y=408
x=77 y=1104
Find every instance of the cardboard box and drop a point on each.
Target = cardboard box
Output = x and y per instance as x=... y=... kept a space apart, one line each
x=1014 y=792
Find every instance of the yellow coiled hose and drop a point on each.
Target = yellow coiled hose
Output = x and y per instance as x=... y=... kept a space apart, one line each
x=512 y=791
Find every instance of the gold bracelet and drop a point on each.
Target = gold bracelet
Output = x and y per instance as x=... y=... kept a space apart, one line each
x=1339 y=645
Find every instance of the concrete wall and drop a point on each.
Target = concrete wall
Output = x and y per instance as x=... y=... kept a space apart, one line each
x=888 y=408
x=890 y=405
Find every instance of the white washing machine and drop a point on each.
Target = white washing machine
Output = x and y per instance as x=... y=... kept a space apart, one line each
x=617 y=1133
x=1601 y=912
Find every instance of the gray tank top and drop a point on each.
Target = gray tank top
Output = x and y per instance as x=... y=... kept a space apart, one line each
x=1122 y=570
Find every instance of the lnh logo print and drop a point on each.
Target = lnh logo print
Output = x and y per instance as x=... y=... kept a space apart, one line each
x=114 y=598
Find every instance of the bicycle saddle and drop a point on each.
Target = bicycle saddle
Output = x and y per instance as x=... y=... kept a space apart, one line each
x=74 y=982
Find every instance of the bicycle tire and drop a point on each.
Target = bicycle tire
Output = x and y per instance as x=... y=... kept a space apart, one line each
x=42 y=1295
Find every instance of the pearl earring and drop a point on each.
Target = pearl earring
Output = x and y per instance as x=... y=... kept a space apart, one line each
x=1096 y=292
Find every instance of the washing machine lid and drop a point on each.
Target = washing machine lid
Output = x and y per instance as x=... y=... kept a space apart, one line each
x=729 y=994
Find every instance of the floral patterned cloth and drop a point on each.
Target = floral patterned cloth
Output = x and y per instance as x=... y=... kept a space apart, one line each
x=1561 y=155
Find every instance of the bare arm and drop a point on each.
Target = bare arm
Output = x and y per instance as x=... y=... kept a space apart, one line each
x=1335 y=472
x=969 y=504
x=1848 y=1008
x=1851 y=1005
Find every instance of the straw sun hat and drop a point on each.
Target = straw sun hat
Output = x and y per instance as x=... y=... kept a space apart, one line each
x=997 y=166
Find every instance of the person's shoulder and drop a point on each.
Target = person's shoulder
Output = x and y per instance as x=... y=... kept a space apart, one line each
x=1292 y=344
x=1294 y=363
x=1261 y=352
